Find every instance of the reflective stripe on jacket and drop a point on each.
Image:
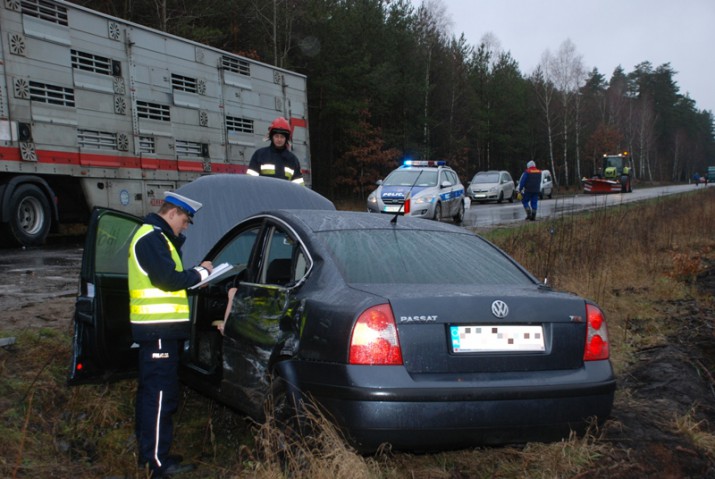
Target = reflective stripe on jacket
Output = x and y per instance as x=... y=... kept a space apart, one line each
x=269 y=161
x=150 y=305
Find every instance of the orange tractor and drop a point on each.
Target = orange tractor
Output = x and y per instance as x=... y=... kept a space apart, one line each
x=614 y=175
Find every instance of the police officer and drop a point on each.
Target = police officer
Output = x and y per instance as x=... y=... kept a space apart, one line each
x=277 y=160
x=530 y=187
x=159 y=314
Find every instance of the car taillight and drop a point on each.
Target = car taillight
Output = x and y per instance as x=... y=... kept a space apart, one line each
x=374 y=339
x=596 y=335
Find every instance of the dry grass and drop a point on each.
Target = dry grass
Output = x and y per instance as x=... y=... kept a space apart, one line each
x=698 y=431
x=628 y=259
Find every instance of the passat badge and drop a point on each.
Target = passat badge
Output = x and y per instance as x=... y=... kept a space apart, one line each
x=500 y=309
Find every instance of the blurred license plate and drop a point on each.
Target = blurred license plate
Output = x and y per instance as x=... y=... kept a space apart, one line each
x=392 y=208
x=470 y=339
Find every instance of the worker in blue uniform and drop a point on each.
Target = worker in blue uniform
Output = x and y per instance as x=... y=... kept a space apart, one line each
x=530 y=188
x=159 y=315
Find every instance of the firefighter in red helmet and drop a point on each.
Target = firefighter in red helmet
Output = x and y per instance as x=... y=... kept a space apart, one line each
x=277 y=160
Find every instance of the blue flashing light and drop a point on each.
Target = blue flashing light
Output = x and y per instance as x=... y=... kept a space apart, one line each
x=407 y=163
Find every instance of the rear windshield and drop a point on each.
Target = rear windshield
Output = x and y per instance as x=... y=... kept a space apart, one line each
x=420 y=257
x=412 y=178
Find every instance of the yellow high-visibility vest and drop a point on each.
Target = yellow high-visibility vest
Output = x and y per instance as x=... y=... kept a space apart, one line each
x=147 y=303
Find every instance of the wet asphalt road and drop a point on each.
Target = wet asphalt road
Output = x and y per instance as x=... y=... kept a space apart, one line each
x=29 y=275
x=487 y=215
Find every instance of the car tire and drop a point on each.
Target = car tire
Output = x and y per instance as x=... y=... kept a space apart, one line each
x=501 y=197
x=437 y=212
x=285 y=412
x=459 y=217
x=30 y=216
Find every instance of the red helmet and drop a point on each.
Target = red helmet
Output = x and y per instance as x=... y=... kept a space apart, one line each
x=280 y=125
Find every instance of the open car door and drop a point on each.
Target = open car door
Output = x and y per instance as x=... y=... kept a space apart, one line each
x=102 y=342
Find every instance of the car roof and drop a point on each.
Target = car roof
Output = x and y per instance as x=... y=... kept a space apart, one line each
x=359 y=220
x=228 y=199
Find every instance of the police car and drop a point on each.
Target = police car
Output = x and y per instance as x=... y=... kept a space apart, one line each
x=423 y=189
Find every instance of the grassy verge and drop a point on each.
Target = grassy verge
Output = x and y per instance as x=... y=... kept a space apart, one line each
x=631 y=260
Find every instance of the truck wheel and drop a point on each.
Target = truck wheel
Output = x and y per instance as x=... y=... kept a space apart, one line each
x=30 y=216
x=626 y=184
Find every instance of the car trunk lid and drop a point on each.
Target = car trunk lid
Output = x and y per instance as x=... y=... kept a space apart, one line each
x=488 y=329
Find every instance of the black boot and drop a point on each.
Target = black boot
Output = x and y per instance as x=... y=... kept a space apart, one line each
x=528 y=214
x=532 y=217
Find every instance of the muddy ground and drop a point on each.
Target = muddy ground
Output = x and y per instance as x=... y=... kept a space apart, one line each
x=671 y=380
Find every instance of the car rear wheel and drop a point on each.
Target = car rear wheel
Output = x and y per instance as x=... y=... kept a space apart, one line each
x=285 y=417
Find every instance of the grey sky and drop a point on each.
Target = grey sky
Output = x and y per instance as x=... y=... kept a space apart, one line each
x=606 y=33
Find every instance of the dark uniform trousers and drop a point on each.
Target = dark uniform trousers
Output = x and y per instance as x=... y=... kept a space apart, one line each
x=157 y=400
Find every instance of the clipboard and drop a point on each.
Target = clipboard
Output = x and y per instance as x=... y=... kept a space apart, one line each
x=218 y=272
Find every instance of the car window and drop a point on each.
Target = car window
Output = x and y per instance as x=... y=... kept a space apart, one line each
x=486 y=178
x=238 y=251
x=416 y=257
x=114 y=235
x=452 y=177
x=283 y=261
x=411 y=177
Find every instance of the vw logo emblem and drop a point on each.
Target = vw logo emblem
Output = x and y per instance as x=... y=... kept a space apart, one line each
x=500 y=309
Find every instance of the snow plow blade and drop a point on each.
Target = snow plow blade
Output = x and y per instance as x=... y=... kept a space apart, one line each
x=599 y=185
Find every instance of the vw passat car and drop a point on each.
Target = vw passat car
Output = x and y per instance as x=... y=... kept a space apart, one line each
x=422 y=189
x=415 y=333
x=491 y=186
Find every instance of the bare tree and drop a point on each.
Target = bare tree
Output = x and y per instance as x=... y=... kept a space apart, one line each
x=432 y=27
x=567 y=72
x=277 y=18
x=545 y=90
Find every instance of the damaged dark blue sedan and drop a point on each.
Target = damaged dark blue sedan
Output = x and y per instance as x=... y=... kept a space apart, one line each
x=410 y=332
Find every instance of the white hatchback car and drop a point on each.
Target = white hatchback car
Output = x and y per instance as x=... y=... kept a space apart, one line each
x=547 y=184
x=491 y=185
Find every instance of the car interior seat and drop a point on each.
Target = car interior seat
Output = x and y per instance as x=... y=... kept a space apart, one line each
x=279 y=271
